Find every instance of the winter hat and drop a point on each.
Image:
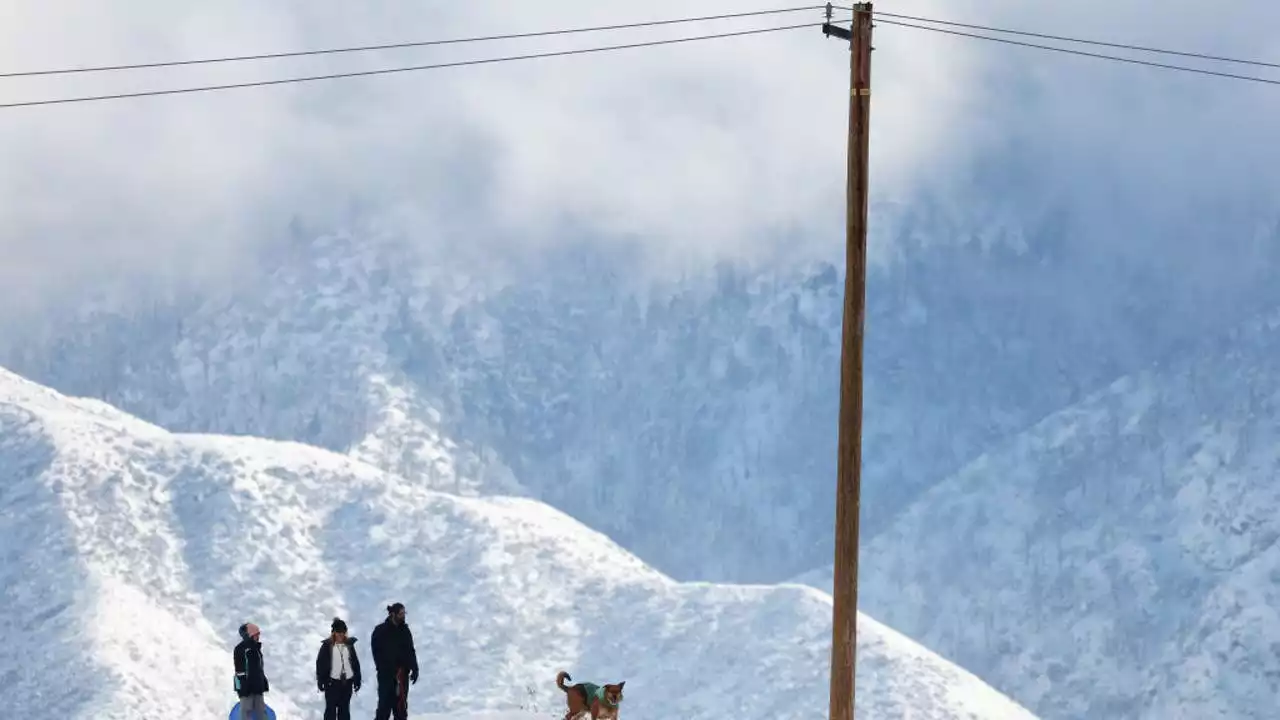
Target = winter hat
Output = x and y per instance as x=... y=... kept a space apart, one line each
x=338 y=626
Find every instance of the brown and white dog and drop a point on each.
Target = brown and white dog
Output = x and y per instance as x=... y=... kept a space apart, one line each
x=599 y=702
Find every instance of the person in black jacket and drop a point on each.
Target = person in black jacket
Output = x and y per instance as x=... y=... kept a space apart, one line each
x=338 y=671
x=396 y=662
x=251 y=677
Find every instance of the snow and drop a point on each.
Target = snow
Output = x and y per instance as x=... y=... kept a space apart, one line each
x=486 y=716
x=692 y=421
x=133 y=554
x=709 y=402
x=1118 y=559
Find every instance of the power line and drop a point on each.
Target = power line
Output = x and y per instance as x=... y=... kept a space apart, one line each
x=402 y=45
x=1122 y=46
x=387 y=71
x=1069 y=51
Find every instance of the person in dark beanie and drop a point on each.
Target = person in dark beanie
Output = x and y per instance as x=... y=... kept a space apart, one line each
x=338 y=671
x=251 y=678
x=396 y=663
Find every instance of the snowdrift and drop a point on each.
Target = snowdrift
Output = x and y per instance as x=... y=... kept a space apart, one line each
x=133 y=554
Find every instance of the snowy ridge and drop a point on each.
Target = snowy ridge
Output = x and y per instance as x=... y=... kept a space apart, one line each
x=135 y=553
x=707 y=401
x=1120 y=558
x=82 y=542
x=329 y=321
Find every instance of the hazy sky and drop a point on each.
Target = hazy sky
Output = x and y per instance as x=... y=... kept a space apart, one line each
x=701 y=149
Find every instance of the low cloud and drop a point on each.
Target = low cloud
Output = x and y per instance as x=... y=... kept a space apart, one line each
x=725 y=147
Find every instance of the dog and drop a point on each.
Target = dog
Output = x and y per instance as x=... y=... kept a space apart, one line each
x=600 y=702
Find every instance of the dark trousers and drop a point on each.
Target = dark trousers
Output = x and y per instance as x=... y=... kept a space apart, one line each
x=337 y=700
x=393 y=697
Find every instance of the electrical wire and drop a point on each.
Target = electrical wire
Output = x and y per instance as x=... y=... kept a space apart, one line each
x=415 y=68
x=1069 y=51
x=402 y=45
x=1044 y=36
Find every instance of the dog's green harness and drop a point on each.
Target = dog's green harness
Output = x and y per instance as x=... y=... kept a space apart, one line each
x=595 y=692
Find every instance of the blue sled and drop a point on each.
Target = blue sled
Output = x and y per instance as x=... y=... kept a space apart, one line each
x=235 y=713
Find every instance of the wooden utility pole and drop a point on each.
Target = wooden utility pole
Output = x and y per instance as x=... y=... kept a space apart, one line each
x=844 y=620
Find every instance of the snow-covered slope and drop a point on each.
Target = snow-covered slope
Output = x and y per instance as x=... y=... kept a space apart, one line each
x=96 y=588
x=131 y=554
x=708 y=402
x=1119 y=559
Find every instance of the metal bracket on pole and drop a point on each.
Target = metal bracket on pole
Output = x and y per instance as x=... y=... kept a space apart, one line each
x=828 y=29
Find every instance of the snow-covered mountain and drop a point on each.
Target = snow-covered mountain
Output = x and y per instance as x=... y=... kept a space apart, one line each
x=131 y=554
x=690 y=419
x=1118 y=559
